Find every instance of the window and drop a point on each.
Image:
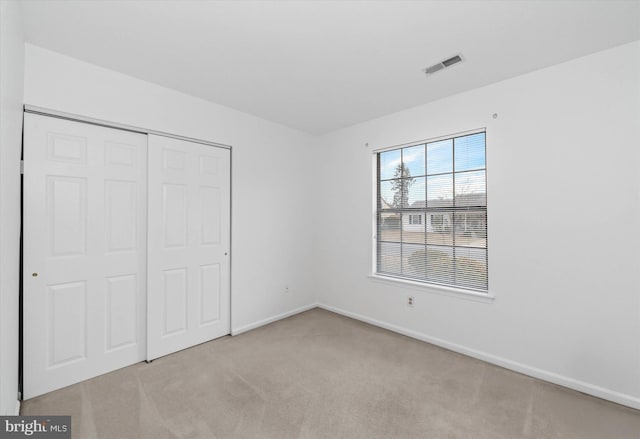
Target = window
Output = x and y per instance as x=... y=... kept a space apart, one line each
x=444 y=182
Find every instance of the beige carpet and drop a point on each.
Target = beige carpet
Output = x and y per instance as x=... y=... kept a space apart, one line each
x=321 y=375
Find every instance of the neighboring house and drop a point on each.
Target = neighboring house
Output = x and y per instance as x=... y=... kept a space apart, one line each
x=429 y=221
x=391 y=220
x=416 y=221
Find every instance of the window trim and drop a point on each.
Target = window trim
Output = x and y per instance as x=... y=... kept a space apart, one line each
x=439 y=289
x=448 y=290
x=429 y=140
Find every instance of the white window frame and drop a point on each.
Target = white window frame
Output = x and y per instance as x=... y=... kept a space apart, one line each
x=487 y=296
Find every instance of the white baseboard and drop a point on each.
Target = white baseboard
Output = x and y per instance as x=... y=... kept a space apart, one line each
x=17 y=412
x=580 y=386
x=254 y=325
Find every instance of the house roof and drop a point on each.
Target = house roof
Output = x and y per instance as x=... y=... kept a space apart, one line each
x=473 y=199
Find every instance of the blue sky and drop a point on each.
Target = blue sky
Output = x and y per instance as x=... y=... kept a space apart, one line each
x=469 y=154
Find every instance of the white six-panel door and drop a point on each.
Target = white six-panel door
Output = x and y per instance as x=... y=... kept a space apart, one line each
x=84 y=251
x=189 y=234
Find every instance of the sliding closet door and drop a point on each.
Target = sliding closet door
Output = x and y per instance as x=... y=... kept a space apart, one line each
x=84 y=251
x=189 y=234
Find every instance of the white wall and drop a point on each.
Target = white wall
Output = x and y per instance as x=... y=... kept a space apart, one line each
x=11 y=87
x=563 y=191
x=270 y=202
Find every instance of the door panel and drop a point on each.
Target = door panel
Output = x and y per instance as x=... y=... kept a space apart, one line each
x=121 y=311
x=84 y=251
x=210 y=294
x=67 y=331
x=189 y=233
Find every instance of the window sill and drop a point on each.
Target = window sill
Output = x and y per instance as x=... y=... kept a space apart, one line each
x=436 y=289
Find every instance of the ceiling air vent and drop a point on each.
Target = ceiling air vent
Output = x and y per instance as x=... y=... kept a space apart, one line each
x=443 y=64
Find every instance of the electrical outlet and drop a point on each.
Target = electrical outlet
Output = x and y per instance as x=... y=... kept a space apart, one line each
x=286 y=289
x=410 y=301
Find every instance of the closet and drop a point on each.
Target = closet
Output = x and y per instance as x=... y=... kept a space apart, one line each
x=126 y=239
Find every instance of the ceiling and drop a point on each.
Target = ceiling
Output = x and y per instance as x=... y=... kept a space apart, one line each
x=318 y=66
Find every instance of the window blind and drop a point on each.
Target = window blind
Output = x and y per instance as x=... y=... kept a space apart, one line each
x=432 y=212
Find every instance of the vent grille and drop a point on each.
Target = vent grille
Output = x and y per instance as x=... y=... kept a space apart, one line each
x=443 y=64
x=451 y=61
x=434 y=68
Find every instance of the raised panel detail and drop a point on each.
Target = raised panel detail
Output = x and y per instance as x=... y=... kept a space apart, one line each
x=210 y=208
x=209 y=165
x=67 y=323
x=121 y=311
x=209 y=294
x=119 y=154
x=174 y=301
x=174 y=210
x=173 y=160
x=67 y=215
x=121 y=206
x=67 y=149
